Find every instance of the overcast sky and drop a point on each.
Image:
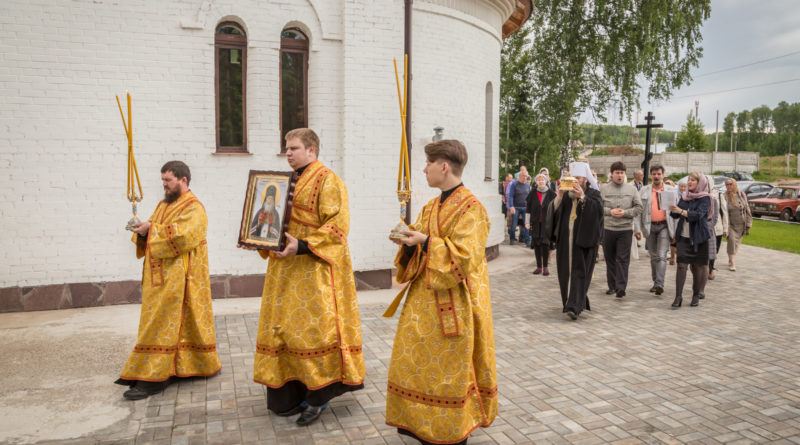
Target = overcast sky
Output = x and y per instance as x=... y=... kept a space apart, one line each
x=738 y=32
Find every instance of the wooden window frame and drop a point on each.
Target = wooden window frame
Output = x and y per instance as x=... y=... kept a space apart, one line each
x=231 y=41
x=300 y=47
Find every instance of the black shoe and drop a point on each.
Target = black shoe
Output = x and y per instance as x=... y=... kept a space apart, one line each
x=695 y=300
x=142 y=390
x=620 y=293
x=653 y=289
x=290 y=412
x=610 y=291
x=659 y=290
x=572 y=315
x=310 y=414
x=677 y=303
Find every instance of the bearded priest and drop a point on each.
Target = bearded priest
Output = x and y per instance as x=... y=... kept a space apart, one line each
x=176 y=327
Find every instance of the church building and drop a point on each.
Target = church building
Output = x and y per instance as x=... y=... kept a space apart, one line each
x=216 y=84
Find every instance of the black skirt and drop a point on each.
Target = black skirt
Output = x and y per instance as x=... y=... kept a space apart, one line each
x=688 y=255
x=293 y=392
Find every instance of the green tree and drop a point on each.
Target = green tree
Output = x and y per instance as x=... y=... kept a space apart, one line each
x=692 y=136
x=728 y=125
x=761 y=121
x=592 y=55
x=781 y=117
x=742 y=119
x=525 y=138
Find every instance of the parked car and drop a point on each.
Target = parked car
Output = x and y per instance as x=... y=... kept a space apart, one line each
x=754 y=190
x=719 y=181
x=739 y=176
x=782 y=201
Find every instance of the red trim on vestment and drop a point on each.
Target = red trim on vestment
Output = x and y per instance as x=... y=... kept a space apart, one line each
x=311 y=388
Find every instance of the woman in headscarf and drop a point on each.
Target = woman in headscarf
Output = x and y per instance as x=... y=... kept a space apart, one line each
x=550 y=184
x=692 y=233
x=538 y=200
x=739 y=219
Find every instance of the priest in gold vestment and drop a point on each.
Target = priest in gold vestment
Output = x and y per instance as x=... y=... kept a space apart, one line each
x=308 y=347
x=442 y=378
x=176 y=327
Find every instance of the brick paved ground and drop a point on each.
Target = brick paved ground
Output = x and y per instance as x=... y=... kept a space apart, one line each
x=630 y=371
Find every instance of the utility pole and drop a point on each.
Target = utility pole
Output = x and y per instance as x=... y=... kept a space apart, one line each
x=655 y=144
x=696 y=109
x=716 y=134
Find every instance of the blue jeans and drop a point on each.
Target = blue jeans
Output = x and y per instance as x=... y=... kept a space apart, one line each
x=518 y=218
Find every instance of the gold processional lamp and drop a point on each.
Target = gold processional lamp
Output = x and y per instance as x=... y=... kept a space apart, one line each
x=133 y=172
x=403 y=173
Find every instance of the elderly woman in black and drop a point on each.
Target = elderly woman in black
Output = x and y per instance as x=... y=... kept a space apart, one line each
x=692 y=234
x=538 y=200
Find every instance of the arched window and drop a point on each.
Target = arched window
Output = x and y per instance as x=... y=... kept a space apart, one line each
x=230 y=60
x=293 y=81
x=488 y=168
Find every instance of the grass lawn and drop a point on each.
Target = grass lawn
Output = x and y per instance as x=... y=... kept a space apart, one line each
x=774 y=235
x=773 y=169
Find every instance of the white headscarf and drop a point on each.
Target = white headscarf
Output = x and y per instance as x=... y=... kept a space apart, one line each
x=583 y=169
x=546 y=183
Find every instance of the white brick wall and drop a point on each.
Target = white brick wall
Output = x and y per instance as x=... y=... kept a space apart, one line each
x=62 y=148
x=452 y=95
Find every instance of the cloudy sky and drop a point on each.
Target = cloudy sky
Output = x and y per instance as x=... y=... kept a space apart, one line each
x=739 y=32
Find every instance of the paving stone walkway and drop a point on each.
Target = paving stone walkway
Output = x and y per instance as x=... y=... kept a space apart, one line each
x=630 y=371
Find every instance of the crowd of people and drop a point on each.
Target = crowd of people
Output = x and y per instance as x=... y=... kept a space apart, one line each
x=681 y=224
x=309 y=349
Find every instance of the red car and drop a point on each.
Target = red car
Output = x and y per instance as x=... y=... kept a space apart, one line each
x=782 y=201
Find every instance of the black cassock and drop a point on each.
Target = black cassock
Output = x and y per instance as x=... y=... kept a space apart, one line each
x=574 y=278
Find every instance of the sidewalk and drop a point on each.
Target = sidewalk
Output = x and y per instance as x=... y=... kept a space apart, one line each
x=630 y=371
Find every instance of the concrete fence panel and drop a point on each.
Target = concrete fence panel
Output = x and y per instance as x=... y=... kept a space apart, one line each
x=706 y=162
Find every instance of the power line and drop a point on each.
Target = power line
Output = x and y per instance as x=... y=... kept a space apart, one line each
x=748 y=64
x=737 y=89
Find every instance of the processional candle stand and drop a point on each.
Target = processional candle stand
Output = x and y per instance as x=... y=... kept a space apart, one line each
x=133 y=172
x=403 y=173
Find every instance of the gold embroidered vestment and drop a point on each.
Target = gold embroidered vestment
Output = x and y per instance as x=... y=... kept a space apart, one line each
x=309 y=329
x=442 y=377
x=176 y=326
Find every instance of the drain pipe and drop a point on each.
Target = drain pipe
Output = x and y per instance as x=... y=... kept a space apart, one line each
x=407 y=50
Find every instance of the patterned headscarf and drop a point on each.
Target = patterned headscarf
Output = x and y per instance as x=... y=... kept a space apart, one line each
x=700 y=191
